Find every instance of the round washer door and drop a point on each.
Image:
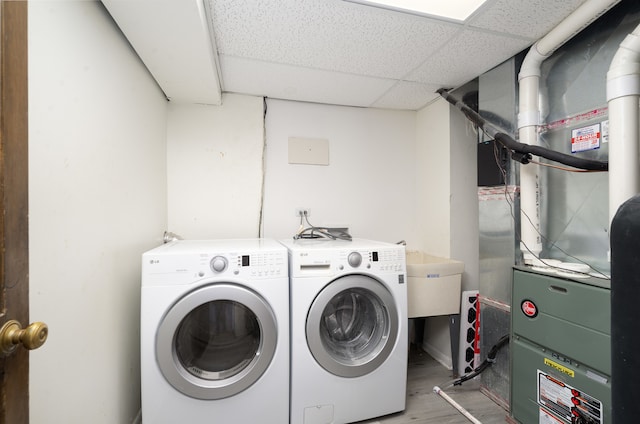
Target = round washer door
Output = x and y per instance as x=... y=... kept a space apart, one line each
x=216 y=341
x=352 y=326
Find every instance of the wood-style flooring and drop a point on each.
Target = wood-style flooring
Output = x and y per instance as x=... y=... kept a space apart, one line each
x=425 y=406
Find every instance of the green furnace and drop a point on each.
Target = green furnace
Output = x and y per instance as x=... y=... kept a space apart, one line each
x=560 y=348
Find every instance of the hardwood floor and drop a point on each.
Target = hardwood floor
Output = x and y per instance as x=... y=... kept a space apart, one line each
x=425 y=406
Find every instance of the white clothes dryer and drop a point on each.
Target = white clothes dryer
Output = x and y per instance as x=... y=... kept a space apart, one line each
x=349 y=336
x=215 y=332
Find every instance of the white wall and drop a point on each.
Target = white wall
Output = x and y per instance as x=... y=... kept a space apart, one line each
x=369 y=184
x=448 y=204
x=214 y=156
x=446 y=187
x=464 y=234
x=433 y=179
x=97 y=201
x=112 y=165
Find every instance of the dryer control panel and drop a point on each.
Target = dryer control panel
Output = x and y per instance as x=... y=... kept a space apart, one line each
x=380 y=260
x=323 y=262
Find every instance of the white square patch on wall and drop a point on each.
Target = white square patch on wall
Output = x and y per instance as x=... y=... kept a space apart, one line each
x=308 y=151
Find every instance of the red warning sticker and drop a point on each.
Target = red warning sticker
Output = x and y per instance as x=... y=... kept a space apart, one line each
x=585 y=138
x=559 y=400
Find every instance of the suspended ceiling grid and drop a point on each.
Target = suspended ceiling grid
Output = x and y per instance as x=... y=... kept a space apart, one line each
x=326 y=51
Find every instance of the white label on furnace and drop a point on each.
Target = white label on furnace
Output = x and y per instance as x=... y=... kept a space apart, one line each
x=585 y=138
x=605 y=131
x=547 y=418
x=566 y=401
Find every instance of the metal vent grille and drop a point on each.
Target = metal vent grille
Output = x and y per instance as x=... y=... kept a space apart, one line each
x=469 y=353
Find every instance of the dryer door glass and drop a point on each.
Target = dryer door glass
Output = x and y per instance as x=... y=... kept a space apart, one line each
x=352 y=325
x=218 y=339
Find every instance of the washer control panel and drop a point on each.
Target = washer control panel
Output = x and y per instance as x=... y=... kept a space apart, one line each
x=219 y=264
x=187 y=261
x=255 y=265
x=354 y=259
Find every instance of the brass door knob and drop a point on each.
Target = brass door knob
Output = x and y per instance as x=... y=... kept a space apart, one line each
x=12 y=334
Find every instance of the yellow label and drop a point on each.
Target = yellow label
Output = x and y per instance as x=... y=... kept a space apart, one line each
x=558 y=367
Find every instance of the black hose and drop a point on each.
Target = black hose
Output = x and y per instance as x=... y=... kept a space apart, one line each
x=491 y=357
x=520 y=151
x=576 y=162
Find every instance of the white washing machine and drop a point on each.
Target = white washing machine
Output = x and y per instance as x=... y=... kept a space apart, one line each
x=348 y=330
x=215 y=332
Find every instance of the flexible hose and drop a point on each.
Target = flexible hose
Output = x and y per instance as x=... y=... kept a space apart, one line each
x=491 y=357
x=563 y=158
x=522 y=152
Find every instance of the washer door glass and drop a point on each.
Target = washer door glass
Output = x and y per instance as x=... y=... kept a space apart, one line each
x=352 y=326
x=216 y=341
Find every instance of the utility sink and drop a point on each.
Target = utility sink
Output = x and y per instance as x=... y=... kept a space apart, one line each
x=434 y=285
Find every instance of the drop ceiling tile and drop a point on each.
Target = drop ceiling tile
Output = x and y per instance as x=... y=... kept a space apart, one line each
x=470 y=54
x=531 y=19
x=303 y=84
x=407 y=95
x=331 y=35
x=159 y=39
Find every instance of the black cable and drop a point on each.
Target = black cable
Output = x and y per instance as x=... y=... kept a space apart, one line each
x=313 y=232
x=491 y=358
x=551 y=244
x=522 y=152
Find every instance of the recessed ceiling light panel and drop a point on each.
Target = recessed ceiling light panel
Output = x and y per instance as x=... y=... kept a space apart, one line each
x=457 y=10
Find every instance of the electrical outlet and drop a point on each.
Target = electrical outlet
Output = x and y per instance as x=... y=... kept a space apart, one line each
x=303 y=212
